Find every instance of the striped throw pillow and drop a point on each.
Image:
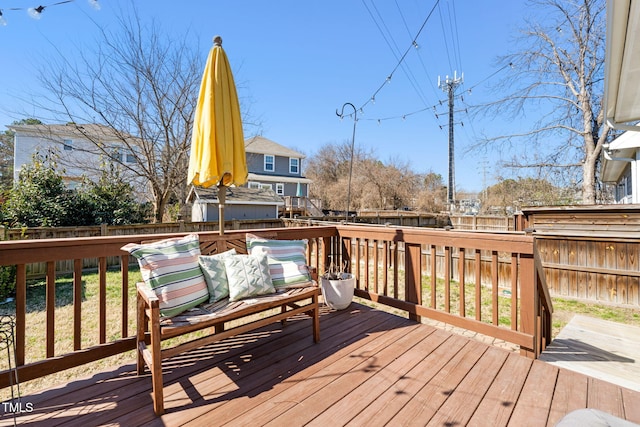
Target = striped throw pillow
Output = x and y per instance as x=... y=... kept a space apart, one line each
x=287 y=259
x=170 y=267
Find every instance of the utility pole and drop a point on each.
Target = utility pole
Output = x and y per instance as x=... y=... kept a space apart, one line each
x=449 y=86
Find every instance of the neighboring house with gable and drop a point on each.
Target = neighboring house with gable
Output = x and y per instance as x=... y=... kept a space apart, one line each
x=72 y=143
x=621 y=159
x=275 y=166
x=275 y=181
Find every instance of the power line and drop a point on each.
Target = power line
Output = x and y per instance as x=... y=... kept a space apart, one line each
x=446 y=45
x=413 y=44
x=36 y=12
x=454 y=34
x=440 y=102
x=407 y=71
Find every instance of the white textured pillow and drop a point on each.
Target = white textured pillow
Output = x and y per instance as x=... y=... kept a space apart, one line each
x=215 y=274
x=248 y=276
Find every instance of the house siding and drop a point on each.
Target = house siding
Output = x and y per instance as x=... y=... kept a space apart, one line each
x=240 y=212
x=255 y=164
x=82 y=160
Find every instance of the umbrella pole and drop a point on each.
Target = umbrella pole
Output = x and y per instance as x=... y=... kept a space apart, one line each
x=222 y=193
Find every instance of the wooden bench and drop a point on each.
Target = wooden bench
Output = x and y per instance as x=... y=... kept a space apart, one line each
x=153 y=329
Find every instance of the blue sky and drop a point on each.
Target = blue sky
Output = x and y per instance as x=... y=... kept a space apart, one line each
x=299 y=61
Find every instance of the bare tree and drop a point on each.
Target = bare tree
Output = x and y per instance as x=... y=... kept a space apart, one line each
x=329 y=170
x=433 y=195
x=374 y=184
x=558 y=76
x=390 y=185
x=137 y=82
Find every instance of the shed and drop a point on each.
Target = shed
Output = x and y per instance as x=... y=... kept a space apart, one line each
x=241 y=203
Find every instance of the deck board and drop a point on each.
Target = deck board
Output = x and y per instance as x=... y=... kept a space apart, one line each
x=534 y=403
x=462 y=403
x=367 y=392
x=500 y=399
x=428 y=400
x=370 y=368
x=387 y=405
x=566 y=402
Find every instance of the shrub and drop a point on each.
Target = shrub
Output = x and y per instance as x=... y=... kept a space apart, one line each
x=7 y=281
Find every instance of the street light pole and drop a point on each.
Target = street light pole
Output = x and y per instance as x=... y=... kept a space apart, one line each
x=353 y=140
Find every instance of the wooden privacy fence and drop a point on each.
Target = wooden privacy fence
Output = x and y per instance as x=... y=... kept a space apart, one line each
x=482 y=222
x=589 y=253
x=603 y=270
x=408 y=283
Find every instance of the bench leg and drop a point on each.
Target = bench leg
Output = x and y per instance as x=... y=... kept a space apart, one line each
x=141 y=329
x=283 y=309
x=156 y=365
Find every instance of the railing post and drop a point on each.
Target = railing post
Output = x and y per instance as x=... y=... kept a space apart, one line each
x=529 y=302
x=21 y=312
x=325 y=256
x=50 y=307
x=413 y=286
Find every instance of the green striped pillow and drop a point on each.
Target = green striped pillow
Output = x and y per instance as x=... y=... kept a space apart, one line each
x=170 y=267
x=287 y=259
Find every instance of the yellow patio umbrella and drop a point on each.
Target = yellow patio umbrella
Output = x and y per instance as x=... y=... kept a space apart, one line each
x=217 y=145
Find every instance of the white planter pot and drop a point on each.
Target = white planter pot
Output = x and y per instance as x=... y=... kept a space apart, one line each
x=338 y=293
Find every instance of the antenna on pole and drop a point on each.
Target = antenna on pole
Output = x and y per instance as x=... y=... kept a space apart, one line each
x=449 y=87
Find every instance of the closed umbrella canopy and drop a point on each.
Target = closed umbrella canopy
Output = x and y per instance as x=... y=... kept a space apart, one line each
x=217 y=145
x=622 y=64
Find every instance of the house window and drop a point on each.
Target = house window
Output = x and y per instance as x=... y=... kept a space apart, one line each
x=68 y=145
x=624 y=188
x=293 y=166
x=131 y=158
x=280 y=189
x=254 y=184
x=269 y=163
x=116 y=154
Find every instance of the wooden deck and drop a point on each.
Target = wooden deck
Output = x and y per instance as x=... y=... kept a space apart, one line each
x=370 y=368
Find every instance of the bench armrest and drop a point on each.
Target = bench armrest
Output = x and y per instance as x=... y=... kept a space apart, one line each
x=147 y=294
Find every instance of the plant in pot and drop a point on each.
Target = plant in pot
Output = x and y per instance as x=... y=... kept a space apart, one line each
x=337 y=286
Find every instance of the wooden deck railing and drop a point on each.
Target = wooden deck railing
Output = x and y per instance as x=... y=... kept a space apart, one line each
x=408 y=269
x=414 y=270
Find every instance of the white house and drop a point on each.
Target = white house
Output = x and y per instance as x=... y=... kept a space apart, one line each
x=622 y=98
x=621 y=159
x=75 y=146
